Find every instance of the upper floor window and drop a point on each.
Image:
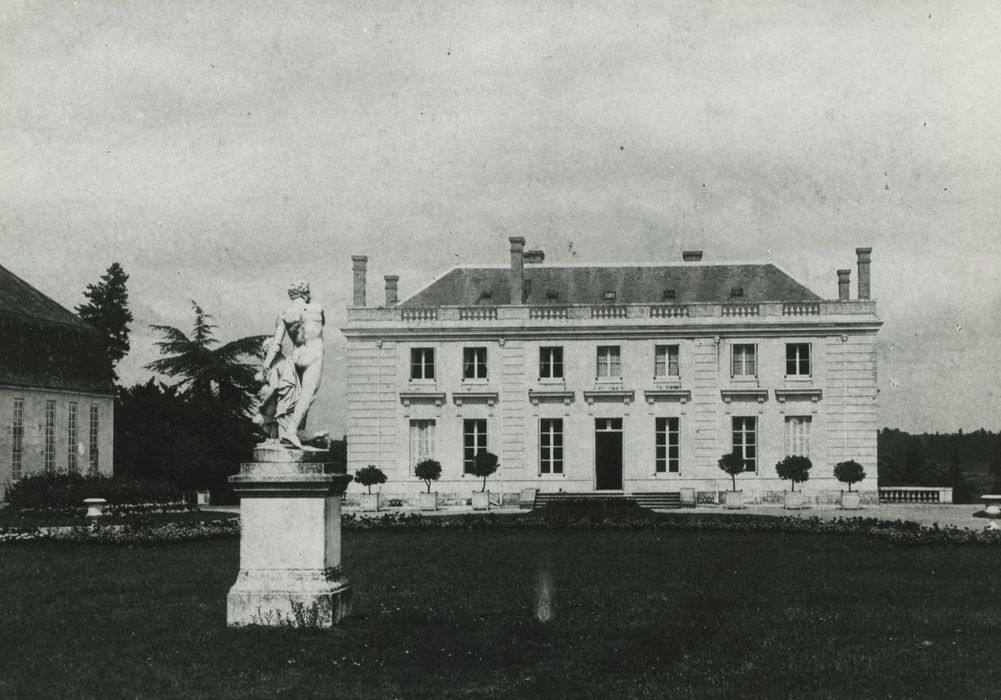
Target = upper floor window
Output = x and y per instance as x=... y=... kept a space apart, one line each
x=797 y=359
x=551 y=363
x=474 y=363
x=609 y=363
x=743 y=361
x=665 y=361
x=422 y=363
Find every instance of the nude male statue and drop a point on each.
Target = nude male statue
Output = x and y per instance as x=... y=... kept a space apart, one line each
x=293 y=391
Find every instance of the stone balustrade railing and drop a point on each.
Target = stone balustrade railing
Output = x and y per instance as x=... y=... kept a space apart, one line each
x=616 y=314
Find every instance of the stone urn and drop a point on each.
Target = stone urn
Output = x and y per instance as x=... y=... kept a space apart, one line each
x=95 y=507
x=428 y=501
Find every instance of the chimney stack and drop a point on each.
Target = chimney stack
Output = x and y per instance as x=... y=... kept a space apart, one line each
x=391 y=281
x=534 y=257
x=358 y=266
x=691 y=255
x=517 y=269
x=844 y=284
x=863 y=271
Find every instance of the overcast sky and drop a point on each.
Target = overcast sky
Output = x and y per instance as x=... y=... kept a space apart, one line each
x=219 y=150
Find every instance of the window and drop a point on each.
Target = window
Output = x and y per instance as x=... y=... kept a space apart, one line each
x=17 y=440
x=422 y=363
x=665 y=361
x=421 y=441
x=743 y=361
x=474 y=441
x=609 y=364
x=608 y=296
x=797 y=359
x=551 y=446
x=95 y=428
x=798 y=435
x=667 y=445
x=50 y=435
x=551 y=363
x=474 y=363
x=745 y=442
x=71 y=438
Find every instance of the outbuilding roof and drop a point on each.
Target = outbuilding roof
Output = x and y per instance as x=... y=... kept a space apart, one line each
x=44 y=345
x=640 y=284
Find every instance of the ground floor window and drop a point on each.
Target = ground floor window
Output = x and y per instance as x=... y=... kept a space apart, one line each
x=667 y=443
x=95 y=431
x=17 y=440
x=50 y=435
x=745 y=441
x=551 y=446
x=421 y=441
x=474 y=441
x=798 y=435
x=71 y=437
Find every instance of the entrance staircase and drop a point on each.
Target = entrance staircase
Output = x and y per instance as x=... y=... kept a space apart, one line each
x=646 y=499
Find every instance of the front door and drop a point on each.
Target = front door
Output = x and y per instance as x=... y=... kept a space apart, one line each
x=608 y=454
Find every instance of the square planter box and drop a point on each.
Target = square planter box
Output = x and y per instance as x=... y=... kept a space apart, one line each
x=687 y=497
x=370 y=501
x=795 y=500
x=481 y=500
x=429 y=501
x=733 y=500
x=850 y=500
x=203 y=498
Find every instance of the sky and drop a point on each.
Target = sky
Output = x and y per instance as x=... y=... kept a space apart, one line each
x=219 y=150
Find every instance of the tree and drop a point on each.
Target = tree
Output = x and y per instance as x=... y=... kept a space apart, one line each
x=484 y=464
x=795 y=468
x=733 y=464
x=370 y=476
x=429 y=470
x=107 y=309
x=850 y=472
x=213 y=376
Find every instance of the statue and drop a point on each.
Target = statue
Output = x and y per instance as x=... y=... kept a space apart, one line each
x=290 y=383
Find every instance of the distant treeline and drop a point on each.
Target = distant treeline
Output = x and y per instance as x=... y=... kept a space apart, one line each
x=968 y=462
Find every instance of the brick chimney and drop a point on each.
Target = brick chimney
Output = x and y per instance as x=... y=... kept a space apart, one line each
x=691 y=255
x=359 y=264
x=517 y=269
x=391 y=282
x=844 y=284
x=863 y=271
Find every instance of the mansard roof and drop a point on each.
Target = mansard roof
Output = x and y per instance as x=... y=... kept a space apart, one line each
x=46 y=346
x=632 y=284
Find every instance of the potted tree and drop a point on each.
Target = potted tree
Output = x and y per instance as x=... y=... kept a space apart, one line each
x=429 y=470
x=484 y=465
x=795 y=468
x=733 y=464
x=850 y=472
x=369 y=477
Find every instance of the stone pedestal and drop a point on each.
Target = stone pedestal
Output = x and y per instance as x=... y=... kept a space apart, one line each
x=290 y=541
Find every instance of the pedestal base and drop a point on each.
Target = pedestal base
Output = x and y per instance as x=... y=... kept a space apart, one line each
x=307 y=599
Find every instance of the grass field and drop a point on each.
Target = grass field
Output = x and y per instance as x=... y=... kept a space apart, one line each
x=455 y=613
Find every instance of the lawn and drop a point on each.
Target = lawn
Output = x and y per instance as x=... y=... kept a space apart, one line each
x=455 y=613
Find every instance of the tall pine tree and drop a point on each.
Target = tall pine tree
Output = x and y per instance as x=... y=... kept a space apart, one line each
x=107 y=309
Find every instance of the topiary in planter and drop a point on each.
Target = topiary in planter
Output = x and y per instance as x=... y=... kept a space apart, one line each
x=484 y=465
x=794 y=468
x=733 y=464
x=850 y=472
x=429 y=470
x=370 y=476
